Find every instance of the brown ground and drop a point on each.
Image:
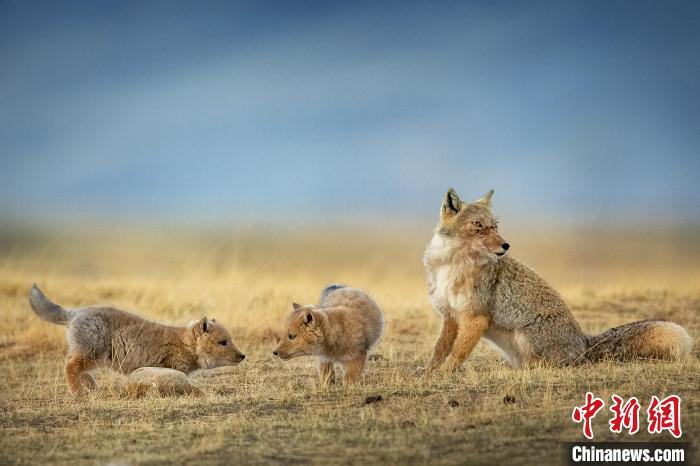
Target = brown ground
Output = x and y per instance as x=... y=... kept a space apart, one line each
x=268 y=411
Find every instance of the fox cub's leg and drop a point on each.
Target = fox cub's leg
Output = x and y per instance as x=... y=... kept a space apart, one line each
x=471 y=328
x=76 y=369
x=88 y=381
x=445 y=342
x=353 y=369
x=325 y=372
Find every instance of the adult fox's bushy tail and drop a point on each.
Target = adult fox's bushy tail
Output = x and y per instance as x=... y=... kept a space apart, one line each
x=46 y=309
x=646 y=339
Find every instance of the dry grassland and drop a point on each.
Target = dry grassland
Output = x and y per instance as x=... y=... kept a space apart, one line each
x=269 y=411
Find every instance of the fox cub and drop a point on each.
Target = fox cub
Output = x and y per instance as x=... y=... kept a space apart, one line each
x=341 y=329
x=481 y=292
x=102 y=336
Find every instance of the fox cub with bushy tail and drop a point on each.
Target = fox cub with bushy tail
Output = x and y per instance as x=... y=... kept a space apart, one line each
x=341 y=329
x=102 y=336
x=481 y=292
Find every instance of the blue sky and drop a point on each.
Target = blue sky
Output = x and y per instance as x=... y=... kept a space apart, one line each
x=208 y=111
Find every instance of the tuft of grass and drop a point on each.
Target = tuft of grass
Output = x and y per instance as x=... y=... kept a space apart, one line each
x=269 y=411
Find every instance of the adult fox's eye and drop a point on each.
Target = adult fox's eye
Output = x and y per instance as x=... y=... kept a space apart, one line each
x=477 y=224
x=291 y=337
x=223 y=343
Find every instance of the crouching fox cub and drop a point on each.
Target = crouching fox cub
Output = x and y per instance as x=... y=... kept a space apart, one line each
x=109 y=337
x=481 y=292
x=341 y=329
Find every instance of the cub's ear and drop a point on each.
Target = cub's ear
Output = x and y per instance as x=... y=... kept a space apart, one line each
x=451 y=205
x=485 y=200
x=307 y=318
x=200 y=326
x=296 y=306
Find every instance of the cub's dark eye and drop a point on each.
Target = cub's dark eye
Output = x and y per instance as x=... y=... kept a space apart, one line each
x=223 y=343
x=477 y=224
x=291 y=337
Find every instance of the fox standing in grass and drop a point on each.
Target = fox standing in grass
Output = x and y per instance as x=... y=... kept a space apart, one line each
x=341 y=329
x=105 y=336
x=480 y=292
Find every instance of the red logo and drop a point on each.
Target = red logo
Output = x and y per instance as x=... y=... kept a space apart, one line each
x=587 y=412
x=661 y=415
x=665 y=415
x=625 y=415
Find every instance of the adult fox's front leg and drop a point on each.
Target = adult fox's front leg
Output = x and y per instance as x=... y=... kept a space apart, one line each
x=445 y=342
x=470 y=330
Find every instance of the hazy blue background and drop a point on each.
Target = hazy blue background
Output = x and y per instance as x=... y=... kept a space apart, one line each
x=295 y=111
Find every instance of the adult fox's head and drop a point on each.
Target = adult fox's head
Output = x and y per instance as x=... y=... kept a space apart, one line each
x=471 y=227
x=213 y=345
x=303 y=334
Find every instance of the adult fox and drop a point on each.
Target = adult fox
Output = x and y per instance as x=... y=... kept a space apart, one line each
x=481 y=292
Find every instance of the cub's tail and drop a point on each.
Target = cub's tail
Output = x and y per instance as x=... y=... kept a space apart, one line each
x=646 y=339
x=328 y=290
x=46 y=309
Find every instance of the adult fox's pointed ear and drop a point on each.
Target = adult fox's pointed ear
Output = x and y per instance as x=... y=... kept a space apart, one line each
x=451 y=205
x=296 y=306
x=485 y=200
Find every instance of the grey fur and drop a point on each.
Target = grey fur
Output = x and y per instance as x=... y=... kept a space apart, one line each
x=328 y=290
x=105 y=336
x=46 y=309
x=630 y=341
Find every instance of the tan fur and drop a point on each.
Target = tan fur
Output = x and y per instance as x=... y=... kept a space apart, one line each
x=102 y=336
x=480 y=292
x=165 y=381
x=470 y=330
x=446 y=340
x=342 y=329
x=77 y=375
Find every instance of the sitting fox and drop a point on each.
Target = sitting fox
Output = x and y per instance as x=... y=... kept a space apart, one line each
x=105 y=336
x=342 y=328
x=481 y=292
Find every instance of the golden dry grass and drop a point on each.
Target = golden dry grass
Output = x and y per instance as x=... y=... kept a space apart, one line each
x=268 y=411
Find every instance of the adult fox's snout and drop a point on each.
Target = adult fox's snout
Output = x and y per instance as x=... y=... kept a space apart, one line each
x=504 y=247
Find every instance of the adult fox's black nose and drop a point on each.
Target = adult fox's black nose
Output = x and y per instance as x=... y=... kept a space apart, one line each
x=505 y=246
x=275 y=353
x=242 y=357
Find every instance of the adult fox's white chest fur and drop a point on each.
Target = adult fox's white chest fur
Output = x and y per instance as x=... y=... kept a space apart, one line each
x=481 y=292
